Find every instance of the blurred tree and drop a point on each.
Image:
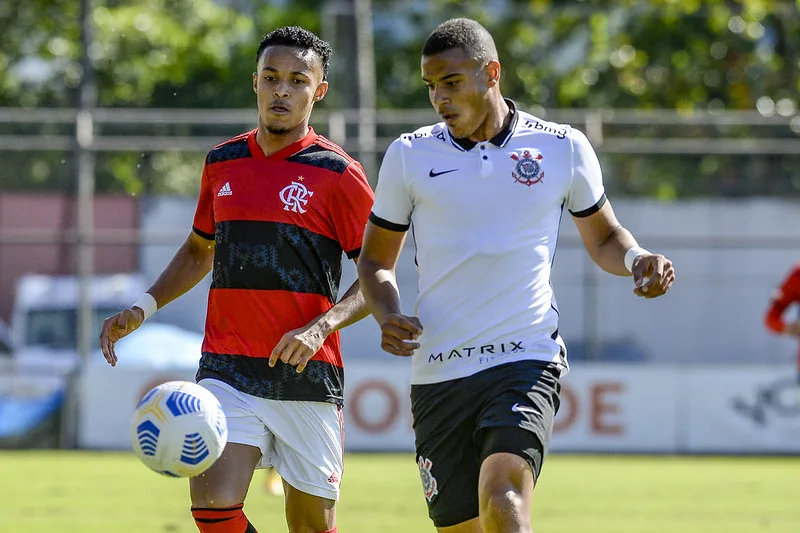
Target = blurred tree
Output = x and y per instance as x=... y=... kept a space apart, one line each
x=687 y=55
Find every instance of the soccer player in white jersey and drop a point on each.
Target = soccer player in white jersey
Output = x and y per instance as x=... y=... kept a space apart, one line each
x=484 y=190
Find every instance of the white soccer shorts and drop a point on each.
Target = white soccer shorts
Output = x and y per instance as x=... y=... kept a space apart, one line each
x=304 y=441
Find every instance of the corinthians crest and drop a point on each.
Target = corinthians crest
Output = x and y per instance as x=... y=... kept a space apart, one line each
x=529 y=167
x=429 y=484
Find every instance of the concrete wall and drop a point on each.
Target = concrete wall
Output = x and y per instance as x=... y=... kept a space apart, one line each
x=729 y=257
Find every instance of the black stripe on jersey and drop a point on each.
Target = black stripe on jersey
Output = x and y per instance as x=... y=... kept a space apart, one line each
x=592 y=210
x=385 y=224
x=320 y=381
x=352 y=254
x=260 y=255
x=229 y=151
x=321 y=157
x=203 y=234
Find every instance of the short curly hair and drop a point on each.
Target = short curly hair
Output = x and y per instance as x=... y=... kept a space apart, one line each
x=465 y=34
x=299 y=38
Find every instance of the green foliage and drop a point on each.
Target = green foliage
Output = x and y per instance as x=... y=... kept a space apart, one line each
x=676 y=54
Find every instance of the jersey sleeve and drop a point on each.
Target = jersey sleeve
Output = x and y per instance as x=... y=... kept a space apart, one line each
x=586 y=193
x=350 y=209
x=393 y=205
x=787 y=294
x=204 y=223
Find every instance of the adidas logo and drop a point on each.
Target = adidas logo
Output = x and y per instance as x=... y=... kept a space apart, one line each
x=333 y=479
x=225 y=190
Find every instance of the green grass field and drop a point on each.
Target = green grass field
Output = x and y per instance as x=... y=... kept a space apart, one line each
x=83 y=492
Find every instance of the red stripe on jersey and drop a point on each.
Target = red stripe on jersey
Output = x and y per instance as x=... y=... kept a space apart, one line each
x=252 y=322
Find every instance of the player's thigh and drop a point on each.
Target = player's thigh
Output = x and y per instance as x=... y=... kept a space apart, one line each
x=446 y=454
x=517 y=415
x=308 y=445
x=226 y=482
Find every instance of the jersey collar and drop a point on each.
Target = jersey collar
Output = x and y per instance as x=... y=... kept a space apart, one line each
x=283 y=153
x=499 y=140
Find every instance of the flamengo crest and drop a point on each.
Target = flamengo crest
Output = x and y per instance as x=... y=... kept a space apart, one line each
x=529 y=167
x=295 y=197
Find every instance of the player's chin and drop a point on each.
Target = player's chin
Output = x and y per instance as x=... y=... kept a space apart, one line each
x=280 y=125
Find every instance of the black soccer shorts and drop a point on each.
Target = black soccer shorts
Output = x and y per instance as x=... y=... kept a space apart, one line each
x=459 y=423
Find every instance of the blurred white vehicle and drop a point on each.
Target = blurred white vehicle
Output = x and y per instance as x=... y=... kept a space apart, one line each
x=156 y=346
x=44 y=325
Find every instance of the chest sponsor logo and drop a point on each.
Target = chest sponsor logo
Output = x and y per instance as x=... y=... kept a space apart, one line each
x=485 y=351
x=528 y=170
x=295 y=197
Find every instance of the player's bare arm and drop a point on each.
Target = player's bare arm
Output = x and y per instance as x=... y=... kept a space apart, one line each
x=191 y=263
x=607 y=243
x=298 y=346
x=376 y=272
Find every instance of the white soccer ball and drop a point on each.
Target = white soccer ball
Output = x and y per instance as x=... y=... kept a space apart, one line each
x=179 y=429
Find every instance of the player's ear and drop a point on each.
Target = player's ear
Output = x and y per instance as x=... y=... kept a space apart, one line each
x=322 y=89
x=492 y=73
x=255 y=82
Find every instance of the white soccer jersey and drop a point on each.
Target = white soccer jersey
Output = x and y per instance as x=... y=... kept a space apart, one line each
x=485 y=219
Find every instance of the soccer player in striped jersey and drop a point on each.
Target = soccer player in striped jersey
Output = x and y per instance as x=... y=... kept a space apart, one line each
x=278 y=207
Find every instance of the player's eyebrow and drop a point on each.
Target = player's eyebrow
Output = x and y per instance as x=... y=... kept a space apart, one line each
x=300 y=72
x=453 y=75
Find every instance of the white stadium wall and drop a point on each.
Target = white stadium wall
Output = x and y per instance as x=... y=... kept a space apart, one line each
x=605 y=408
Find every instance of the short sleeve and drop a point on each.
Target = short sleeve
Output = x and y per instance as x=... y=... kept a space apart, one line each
x=393 y=205
x=204 y=224
x=353 y=201
x=586 y=194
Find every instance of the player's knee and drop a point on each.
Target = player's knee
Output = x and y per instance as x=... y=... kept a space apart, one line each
x=501 y=502
x=212 y=496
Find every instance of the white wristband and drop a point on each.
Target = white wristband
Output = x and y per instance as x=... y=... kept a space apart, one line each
x=632 y=254
x=147 y=304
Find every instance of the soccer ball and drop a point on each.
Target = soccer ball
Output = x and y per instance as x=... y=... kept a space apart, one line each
x=179 y=429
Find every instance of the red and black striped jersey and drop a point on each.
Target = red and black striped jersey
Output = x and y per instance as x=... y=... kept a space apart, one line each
x=280 y=225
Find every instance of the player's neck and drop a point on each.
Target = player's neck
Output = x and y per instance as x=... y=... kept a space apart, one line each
x=496 y=119
x=275 y=142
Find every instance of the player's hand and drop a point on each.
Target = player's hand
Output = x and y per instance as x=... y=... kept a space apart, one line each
x=117 y=326
x=659 y=272
x=298 y=346
x=399 y=333
x=792 y=329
